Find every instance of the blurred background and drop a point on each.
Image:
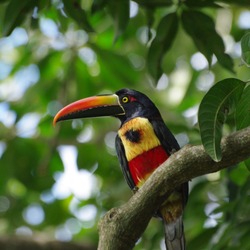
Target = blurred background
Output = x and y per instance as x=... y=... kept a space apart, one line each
x=57 y=182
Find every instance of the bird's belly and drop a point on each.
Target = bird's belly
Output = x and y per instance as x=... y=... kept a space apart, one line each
x=142 y=166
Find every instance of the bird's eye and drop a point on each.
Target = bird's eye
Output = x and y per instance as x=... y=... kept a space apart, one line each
x=125 y=99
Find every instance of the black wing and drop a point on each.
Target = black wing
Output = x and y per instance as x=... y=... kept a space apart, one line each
x=123 y=162
x=165 y=136
x=170 y=144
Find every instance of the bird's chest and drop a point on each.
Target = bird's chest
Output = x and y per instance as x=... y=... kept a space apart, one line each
x=143 y=149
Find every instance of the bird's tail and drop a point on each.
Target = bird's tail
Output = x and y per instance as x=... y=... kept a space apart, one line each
x=174 y=235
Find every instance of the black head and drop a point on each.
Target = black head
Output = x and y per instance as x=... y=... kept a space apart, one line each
x=136 y=104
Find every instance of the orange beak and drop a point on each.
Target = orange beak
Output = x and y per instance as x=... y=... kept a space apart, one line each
x=95 y=106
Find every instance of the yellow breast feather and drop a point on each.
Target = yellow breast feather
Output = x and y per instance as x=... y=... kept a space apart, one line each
x=146 y=141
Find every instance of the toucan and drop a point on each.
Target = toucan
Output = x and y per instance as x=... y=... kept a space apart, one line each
x=143 y=143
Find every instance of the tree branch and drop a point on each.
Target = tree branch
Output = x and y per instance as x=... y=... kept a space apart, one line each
x=121 y=227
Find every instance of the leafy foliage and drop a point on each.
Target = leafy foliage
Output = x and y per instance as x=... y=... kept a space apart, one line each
x=245 y=47
x=216 y=105
x=202 y=30
x=55 y=52
x=73 y=9
x=166 y=32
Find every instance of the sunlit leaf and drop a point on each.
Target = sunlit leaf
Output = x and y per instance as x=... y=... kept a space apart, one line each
x=165 y=34
x=215 y=106
x=245 y=49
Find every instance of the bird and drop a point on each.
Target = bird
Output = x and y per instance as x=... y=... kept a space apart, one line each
x=143 y=143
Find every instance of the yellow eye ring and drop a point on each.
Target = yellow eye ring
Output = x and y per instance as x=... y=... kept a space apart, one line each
x=125 y=99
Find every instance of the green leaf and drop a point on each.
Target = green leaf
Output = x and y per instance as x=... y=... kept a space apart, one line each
x=73 y=9
x=165 y=34
x=201 y=28
x=215 y=106
x=154 y=3
x=98 y=5
x=247 y=163
x=28 y=156
x=115 y=68
x=239 y=176
x=119 y=10
x=243 y=110
x=243 y=114
x=201 y=3
x=245 y=48
x=15 y=14
x=200 y=241
x=237 y=2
